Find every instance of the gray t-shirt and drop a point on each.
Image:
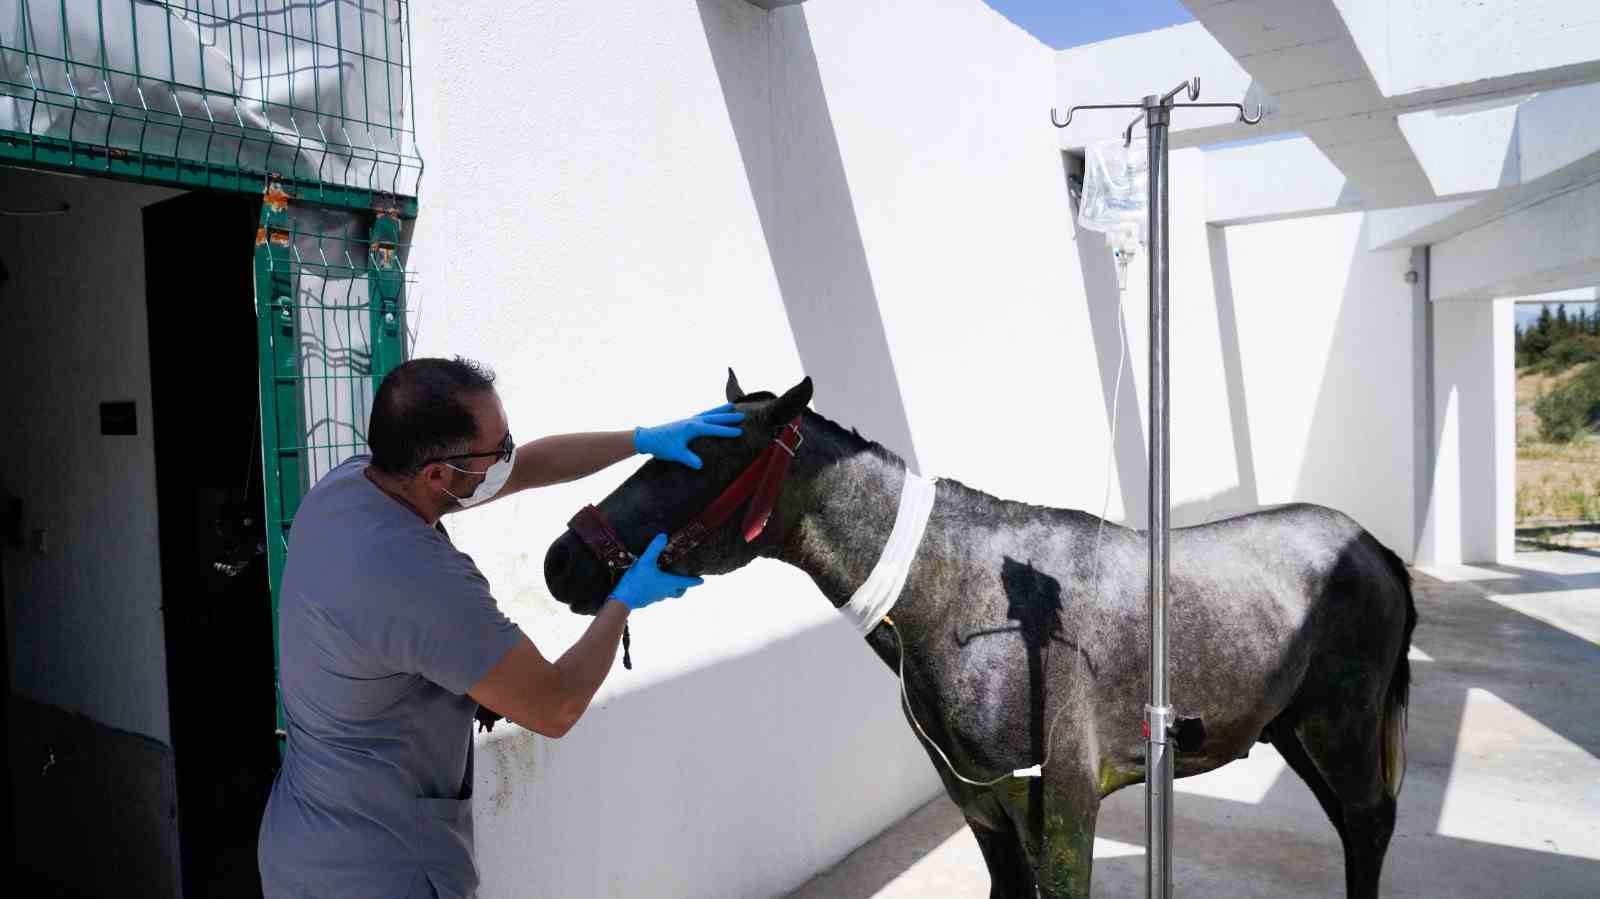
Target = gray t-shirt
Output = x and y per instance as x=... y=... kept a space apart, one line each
x=383 y=627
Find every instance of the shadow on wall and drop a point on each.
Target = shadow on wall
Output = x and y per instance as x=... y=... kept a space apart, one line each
x=1345 y=445
x=778 y=110
x=1130 y=443
x=1246 y=495
x=779 y=113
x=806 y=732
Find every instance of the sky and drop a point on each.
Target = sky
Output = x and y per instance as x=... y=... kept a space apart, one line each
x=1069 y=23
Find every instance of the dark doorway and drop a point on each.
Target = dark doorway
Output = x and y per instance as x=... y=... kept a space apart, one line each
x=216 y=602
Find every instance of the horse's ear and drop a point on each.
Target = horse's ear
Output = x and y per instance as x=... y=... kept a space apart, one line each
x=790 y=404
x=733 y=391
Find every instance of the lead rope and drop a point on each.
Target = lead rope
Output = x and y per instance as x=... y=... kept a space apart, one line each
x=1077 y=667
x=627 y=638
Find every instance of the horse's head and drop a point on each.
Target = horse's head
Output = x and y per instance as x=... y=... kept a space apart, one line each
x=665 y=497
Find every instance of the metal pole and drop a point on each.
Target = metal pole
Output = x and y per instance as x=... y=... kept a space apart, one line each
x=1158 y=713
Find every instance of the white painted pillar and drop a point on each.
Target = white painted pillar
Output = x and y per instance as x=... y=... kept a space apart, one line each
x=1503 y=324
x=1471 y=514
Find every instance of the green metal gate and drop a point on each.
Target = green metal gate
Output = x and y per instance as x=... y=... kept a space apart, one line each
x=330 y=323
x=304 y=104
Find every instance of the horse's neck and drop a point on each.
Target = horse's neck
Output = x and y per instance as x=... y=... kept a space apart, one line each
x=846 y=502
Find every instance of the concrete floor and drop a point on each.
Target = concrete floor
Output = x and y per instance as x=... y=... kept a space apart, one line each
x=1501 y=798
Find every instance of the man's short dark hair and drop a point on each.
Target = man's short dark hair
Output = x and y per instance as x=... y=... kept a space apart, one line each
x=421 y=412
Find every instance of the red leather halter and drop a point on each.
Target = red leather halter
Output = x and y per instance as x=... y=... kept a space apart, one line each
x=761 y=483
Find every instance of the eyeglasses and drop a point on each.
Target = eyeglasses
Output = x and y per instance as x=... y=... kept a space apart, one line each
x=503 y=452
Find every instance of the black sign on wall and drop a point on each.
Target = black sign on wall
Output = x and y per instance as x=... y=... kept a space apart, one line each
x=119 y=418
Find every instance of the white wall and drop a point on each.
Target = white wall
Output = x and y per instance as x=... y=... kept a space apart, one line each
x=601 y=243
x=84 y=619
x=1326 y=338
x=869 y=193
x=961 y=197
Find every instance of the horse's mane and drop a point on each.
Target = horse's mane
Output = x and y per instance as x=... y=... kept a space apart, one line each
x=852 y=439
x=855 y=443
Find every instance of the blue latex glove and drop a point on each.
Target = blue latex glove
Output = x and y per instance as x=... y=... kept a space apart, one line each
x=671 y=441
x=644 y=583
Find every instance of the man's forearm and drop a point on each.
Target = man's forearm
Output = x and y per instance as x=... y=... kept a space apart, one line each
x=586 y=663
x=567 y=457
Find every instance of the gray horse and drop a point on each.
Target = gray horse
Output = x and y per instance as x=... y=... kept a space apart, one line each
x=1289 y=626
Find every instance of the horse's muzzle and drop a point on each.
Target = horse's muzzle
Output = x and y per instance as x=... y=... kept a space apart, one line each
x=573 y=577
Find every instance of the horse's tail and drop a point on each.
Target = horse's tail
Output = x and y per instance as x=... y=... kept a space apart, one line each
x=1394 y=705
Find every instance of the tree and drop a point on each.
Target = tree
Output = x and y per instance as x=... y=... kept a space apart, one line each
x=1534 y=345
x=1568 y=410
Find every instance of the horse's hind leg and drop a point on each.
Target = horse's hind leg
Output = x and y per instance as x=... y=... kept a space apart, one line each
x=1344 y=750
x=1288 y=745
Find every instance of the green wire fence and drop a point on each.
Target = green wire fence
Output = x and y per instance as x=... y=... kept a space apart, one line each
x=215 y=94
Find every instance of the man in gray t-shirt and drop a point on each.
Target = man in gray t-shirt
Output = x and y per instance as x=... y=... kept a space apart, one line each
x=390 y=638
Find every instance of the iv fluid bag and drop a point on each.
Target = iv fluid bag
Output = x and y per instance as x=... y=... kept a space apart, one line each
x=1116 y=191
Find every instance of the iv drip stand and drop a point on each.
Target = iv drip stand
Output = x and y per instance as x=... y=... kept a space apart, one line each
x=1159 y=720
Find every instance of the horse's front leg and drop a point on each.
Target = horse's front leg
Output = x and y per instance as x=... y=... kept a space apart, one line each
x=1067 y=858
x=1056 y=815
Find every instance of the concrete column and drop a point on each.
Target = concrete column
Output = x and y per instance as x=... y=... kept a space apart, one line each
x=1505 y=428
x=1423 y=446
x=1471 y=512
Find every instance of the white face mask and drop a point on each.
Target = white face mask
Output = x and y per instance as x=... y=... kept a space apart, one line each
x=493 y=480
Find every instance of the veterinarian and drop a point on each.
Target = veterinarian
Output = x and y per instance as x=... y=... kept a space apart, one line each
x=391 y=639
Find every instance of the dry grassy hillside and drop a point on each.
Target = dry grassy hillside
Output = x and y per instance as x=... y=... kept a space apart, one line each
x=1557 y=483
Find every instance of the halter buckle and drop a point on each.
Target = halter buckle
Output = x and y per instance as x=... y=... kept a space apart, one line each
x=800 y=439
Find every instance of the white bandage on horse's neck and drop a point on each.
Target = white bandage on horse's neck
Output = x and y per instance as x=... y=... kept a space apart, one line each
x=874 y=598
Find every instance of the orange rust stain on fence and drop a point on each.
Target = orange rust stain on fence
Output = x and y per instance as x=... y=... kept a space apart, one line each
x=277 y=199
